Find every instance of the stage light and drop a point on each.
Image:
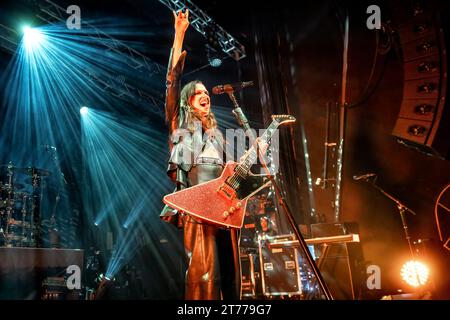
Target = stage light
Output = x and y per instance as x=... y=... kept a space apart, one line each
x=84 y=110
x=96 y=223
x=213 y=57
x=215 y=62
x=105 y=284
x=415 y=273
x=32 y=37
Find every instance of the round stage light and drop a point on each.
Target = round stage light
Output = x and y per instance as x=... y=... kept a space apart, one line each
x=32 y=37
x=84 y=110
x=213 y=56
x=415 y=273
x=215 y=62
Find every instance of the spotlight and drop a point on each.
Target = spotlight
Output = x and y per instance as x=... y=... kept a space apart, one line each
x=105 y=284
x=32 y=38
x=105 y=278
x=84 y=110
x=96 y=223
x=415 y=273
x=214 y=58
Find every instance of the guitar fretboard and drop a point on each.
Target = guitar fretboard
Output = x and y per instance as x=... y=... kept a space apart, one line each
x=251 y=155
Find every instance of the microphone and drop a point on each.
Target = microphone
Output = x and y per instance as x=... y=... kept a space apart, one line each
x=364 y=176
x=227 y=88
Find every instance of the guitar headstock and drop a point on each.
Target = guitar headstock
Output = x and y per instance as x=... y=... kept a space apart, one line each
x=283 y=118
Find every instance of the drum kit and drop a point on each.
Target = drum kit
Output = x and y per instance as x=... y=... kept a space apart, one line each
x=20 y=198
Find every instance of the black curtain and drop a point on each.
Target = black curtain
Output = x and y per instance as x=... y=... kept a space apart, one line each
x=275 y=85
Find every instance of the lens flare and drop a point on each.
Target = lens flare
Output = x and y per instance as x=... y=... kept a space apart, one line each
x=415 y=273
x=32 y=38
x=84 y=111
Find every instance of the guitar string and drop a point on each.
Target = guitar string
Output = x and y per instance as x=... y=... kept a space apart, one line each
x=239 y=174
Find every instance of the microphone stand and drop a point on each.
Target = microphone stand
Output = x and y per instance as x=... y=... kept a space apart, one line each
x=242 y=120
x=401 y=209
x=240 y=117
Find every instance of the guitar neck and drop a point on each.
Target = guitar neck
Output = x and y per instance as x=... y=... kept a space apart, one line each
x=251 y=155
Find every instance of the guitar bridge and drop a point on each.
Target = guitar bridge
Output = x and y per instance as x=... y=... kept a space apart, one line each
x=227 y=191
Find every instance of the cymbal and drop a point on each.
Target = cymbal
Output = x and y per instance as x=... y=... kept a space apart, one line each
x=38 y=172
x=7 y=167
x=15 y=169
x=30 y=171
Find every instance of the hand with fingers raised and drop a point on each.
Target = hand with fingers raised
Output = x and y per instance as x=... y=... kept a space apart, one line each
x=181 y=21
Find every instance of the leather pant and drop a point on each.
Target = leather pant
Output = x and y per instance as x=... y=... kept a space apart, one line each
x=213 y=266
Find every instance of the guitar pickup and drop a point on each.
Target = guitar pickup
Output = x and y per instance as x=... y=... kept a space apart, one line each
x=227 y=191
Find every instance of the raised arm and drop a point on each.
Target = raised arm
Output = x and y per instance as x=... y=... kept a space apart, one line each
x=175 y=70
x=181 y=25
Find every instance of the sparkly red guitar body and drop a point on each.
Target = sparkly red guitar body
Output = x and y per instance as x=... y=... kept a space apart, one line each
x=215 y=201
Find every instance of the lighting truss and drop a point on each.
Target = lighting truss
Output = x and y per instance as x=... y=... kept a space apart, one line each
x=202 y=23
x=117 y=87
x=134 y=58
x=114 y=84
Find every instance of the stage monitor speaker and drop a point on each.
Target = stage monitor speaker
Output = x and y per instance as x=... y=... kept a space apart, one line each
x=341 y=267
x=423 y=122
x=38 y=273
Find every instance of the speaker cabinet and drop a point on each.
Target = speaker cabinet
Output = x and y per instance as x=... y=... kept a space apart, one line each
x=341 y=267
x=424 y=119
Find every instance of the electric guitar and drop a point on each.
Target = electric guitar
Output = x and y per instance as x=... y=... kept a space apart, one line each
x=222 y=201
